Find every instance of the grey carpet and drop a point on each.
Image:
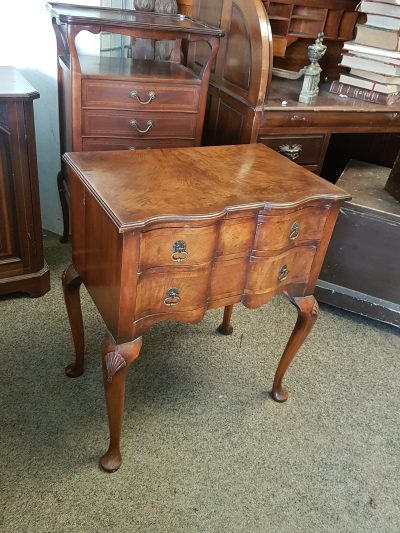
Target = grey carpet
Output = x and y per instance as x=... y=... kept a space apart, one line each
x=205 y=449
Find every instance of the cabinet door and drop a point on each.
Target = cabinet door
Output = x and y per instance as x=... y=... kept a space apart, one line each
x=13 y=246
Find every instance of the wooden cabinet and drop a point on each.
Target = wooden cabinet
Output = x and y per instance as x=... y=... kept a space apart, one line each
x=117 y=103
x=22 y=267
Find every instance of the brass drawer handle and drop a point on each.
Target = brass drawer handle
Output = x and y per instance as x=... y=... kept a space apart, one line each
x=291 y=151
x=283 y=273
x=294 y=231
x=180 y=253
x=151 y=94
x=135 y=125
x=172 y=297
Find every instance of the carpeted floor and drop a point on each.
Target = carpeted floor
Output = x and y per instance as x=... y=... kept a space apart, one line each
x=205 y=449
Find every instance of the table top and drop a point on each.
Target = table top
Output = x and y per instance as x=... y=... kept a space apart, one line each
x=141 y=188
x=288 y=91
x=14 y=85
x=77 y=14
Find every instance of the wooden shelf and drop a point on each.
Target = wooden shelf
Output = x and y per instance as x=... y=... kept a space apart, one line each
x=304 y=19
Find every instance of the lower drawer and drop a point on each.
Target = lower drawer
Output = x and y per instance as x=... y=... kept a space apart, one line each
x=171 y=290
x=103 y=123
x=269 y=274
x=303 y=149
x=93 y=144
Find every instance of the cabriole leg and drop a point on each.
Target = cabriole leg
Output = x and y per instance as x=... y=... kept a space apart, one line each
x=116 y=360
x=307 y=307
x=71 y=283
x=226 y=327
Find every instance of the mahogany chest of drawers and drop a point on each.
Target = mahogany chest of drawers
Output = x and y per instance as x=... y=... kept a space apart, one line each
x=168 y=234
x=120 y=103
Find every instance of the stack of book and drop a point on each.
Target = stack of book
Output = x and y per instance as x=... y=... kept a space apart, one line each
x=373 y=56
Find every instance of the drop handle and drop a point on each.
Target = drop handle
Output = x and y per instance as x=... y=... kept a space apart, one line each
x=179 y=252
x=291 y=151
x=283 y=273
x=151 y=96
x=172 y=297
x=294 y=231
x=134 y=124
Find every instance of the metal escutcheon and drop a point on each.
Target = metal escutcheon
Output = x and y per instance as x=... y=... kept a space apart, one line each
x=172 y=297
x=180 y=253
x=283 y=273
x=135 y=124
x=151 y=94
x=291 y=151
x=294 y=231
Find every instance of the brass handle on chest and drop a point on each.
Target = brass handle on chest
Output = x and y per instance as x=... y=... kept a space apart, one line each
x=172 y=297
x=135 y=125
x=294 y=231
x=151 y=95
x=180 y=253
x=283 y=273
x=291 y=151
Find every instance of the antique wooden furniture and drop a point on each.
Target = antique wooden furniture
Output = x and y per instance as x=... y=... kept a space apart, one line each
x=248 y=104
x=364 y=255
x=109 y=103
x=168 y=234
x=22 y=267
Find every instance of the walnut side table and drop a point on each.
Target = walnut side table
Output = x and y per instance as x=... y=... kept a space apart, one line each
x=168 y=234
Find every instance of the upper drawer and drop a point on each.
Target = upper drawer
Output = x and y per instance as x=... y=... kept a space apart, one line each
x=334 y=121
x=303 y=149
x=177 y=246
x=276 y=232
x=139 y=96
x=135 y=124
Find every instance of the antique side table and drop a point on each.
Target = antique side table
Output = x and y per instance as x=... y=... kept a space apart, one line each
x=168 y=234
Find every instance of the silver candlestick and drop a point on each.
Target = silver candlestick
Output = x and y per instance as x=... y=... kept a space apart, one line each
x=312 y=74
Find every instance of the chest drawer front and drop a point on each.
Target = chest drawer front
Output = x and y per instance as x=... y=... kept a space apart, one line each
x=273 y=273
x=145 y=125
x=302 y=149
x=93 y=144
x=107 y=94
x=171 y=291
x=277 y=232
x=177 y=247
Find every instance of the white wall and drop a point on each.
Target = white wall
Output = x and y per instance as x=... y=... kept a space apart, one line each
x=27 y=42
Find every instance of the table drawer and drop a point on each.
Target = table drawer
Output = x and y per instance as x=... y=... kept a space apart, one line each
x=178 y=247
x=93 y=144
x=303 y=149
x=101 y=123
x=335 y=121
x=267 y=274
x=276 y=232
x=171 y=290
x=107 y=94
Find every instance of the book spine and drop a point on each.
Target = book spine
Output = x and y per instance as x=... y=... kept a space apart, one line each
x=359 y=93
